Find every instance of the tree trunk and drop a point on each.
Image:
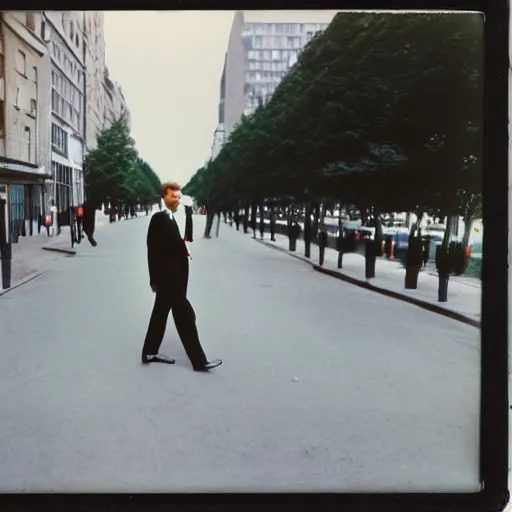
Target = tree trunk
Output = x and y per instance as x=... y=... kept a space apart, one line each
x=378 y=224
x=307 y=231
x=254 y=213
x=340 y=238
x=468 y=225
x=444 y=270
x=246 y=218
x=262 y=221
x=448 y=232
x=316 y=220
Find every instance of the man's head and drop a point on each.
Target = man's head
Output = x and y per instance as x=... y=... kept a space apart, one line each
x=171 y=194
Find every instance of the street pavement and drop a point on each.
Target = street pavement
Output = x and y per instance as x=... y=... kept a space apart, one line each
x=325 y=386
x=28 y=260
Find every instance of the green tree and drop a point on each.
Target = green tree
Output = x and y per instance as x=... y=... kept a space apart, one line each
x=377 y=111
x=108 y=167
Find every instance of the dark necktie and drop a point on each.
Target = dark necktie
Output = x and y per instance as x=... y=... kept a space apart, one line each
x=175 y=223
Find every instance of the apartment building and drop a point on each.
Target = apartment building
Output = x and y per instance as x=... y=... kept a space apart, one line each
x=104 y=97
x=115 y=103
x=262 y=48
x=95 y=75
x=66 y=46
x=24 y=121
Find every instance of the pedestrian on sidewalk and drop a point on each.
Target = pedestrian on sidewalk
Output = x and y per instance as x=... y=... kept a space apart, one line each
x=189 y=224
x=168 y=261
x=89 y=221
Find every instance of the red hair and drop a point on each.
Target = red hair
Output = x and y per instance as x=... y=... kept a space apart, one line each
x=170 y=185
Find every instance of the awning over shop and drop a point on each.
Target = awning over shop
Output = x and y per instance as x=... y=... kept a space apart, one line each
x=15 y=172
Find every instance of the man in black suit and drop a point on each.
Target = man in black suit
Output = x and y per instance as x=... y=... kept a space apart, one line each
x=168 y=273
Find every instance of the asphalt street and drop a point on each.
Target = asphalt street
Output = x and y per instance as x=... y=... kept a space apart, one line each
x=324 y=387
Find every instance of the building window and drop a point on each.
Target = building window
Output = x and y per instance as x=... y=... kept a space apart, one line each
x=34 y=74
x=77 y=41
x=1 y=65
x=55 y=102
x=21 y=63
x=71 y=31
x=258 y=42
x=28 y=136
x=276 y=54
x=17 y=195
x=33 y=107
x=63 y=179
x=59 y=140
x=266 y=55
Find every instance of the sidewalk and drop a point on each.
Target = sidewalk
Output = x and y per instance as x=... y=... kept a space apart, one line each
x=464 y=294
x=29 y=261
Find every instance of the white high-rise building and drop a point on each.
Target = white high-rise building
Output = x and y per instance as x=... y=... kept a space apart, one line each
x=262 y=47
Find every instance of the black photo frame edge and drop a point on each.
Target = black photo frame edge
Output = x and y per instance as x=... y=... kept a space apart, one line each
x=494 y=354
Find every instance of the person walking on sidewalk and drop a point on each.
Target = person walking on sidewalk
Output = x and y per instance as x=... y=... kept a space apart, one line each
x=168 y=261
x=89 y=221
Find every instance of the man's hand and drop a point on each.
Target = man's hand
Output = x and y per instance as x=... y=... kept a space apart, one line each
x=186 y=247
x=153 y=288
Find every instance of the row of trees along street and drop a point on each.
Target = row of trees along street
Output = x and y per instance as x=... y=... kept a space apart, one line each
x=114 y=172
x=382 y=113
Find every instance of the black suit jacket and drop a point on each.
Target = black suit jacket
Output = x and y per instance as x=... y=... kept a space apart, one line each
x=167 y=255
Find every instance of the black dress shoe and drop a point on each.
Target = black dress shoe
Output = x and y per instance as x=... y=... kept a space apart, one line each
x=208 y=366
x=157 y=358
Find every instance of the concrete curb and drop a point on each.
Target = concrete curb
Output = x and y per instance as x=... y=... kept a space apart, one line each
x=23 y=281
x=383 y=291
x=59 y=249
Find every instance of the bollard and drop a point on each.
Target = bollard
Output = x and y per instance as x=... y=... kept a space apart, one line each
x=6 y=259
x=322 y=244
x=370 y=259
x=442 y=290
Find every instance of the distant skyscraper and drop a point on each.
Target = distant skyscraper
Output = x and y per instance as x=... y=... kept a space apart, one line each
x=262 y=47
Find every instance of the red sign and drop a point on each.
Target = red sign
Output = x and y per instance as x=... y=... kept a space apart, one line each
x=79 y=212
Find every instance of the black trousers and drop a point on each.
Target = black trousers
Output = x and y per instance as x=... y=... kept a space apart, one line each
x=185 y=321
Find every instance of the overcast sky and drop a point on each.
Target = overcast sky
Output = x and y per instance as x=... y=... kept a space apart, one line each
x=169 y=65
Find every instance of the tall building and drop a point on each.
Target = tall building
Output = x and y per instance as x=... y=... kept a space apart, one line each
x=104 y=97
x=67 y=53
x=24 y=120
x=219 y=135
x=115 y=103
x=262 y=47
x=95 y=75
